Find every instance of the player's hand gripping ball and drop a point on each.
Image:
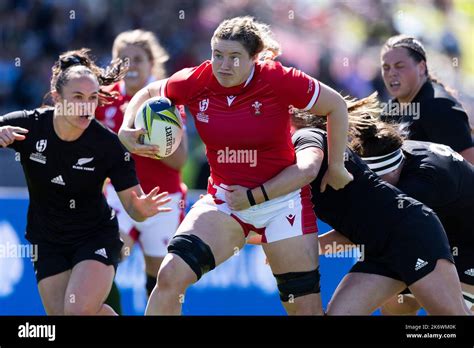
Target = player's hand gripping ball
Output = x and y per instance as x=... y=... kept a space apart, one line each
x=163 y=124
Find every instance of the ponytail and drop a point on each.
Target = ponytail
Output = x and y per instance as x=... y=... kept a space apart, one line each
x=79 y=62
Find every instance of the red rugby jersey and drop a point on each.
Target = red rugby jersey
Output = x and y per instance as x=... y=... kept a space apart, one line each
x=246 y=129
x=150 y=172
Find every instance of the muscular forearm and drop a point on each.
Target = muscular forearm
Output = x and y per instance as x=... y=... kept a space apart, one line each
x=292 y=178
x=337 y=128
x=126 y=198
x=332 y=105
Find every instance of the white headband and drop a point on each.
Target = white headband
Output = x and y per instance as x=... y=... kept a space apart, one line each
x=384 y=164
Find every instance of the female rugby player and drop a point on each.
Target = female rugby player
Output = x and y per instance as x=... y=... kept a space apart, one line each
x=441 y=118
x=241 y=108
x=146 y=60
x=404 y=242
x=66 y=156
x=433 y=174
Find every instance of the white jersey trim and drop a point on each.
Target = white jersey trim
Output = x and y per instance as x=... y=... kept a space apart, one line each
x=314 y=99
x=250 y=76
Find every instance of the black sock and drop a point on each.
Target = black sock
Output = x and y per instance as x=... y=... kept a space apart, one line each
x=150 y=284
x=113 y=300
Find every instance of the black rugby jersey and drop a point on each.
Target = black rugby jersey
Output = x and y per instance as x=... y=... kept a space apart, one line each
x=367 y=208
x=441 y=118
x=440 y=178
x=65 y=178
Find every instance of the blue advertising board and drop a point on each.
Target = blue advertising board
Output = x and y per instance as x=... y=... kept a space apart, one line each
x=243 y=285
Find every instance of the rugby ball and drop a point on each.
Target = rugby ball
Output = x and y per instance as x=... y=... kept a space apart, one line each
x=163 y=124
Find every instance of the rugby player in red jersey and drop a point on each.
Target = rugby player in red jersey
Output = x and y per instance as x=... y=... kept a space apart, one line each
x=145 y=57
x=241 y=102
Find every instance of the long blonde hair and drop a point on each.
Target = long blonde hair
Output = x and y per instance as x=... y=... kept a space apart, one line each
x=149 y=43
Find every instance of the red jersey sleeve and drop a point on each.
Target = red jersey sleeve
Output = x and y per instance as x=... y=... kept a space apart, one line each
x=294 y=87
x=184 y=84
x=178 y=87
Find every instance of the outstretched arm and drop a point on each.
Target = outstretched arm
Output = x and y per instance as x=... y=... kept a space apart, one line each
x=141 y=206
x=10 y=134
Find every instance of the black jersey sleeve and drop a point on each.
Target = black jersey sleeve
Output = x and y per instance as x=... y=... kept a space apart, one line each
x=121 y=167
x=307 y=137
x=447 y=124
x=16 y=119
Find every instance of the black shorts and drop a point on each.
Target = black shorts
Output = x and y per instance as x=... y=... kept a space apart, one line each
x=464 y=261
x=412 y=249
x=52 y=259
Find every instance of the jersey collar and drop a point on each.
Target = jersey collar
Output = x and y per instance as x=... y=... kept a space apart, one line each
x=236 y=90
x=250 y=76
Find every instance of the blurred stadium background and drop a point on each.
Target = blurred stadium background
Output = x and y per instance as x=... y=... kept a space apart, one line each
x=337 y=42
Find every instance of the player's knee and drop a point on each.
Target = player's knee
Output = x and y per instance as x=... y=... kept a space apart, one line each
x=172 y=277
x=296 y=284
x=169 y=276
x=80 y=308
x=194 y=252
x=401 y=305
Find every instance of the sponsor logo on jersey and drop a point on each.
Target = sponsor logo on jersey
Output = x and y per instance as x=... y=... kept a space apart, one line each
x=40 y=147
x=470 y=272
x=58 y=180
x=230 y=99
x=203 y=105
x=291 y=219
x=80 y=164
x=101 y=252
x=37 y=157
x=256 y=108
x=420 y=264
x=201 y=116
